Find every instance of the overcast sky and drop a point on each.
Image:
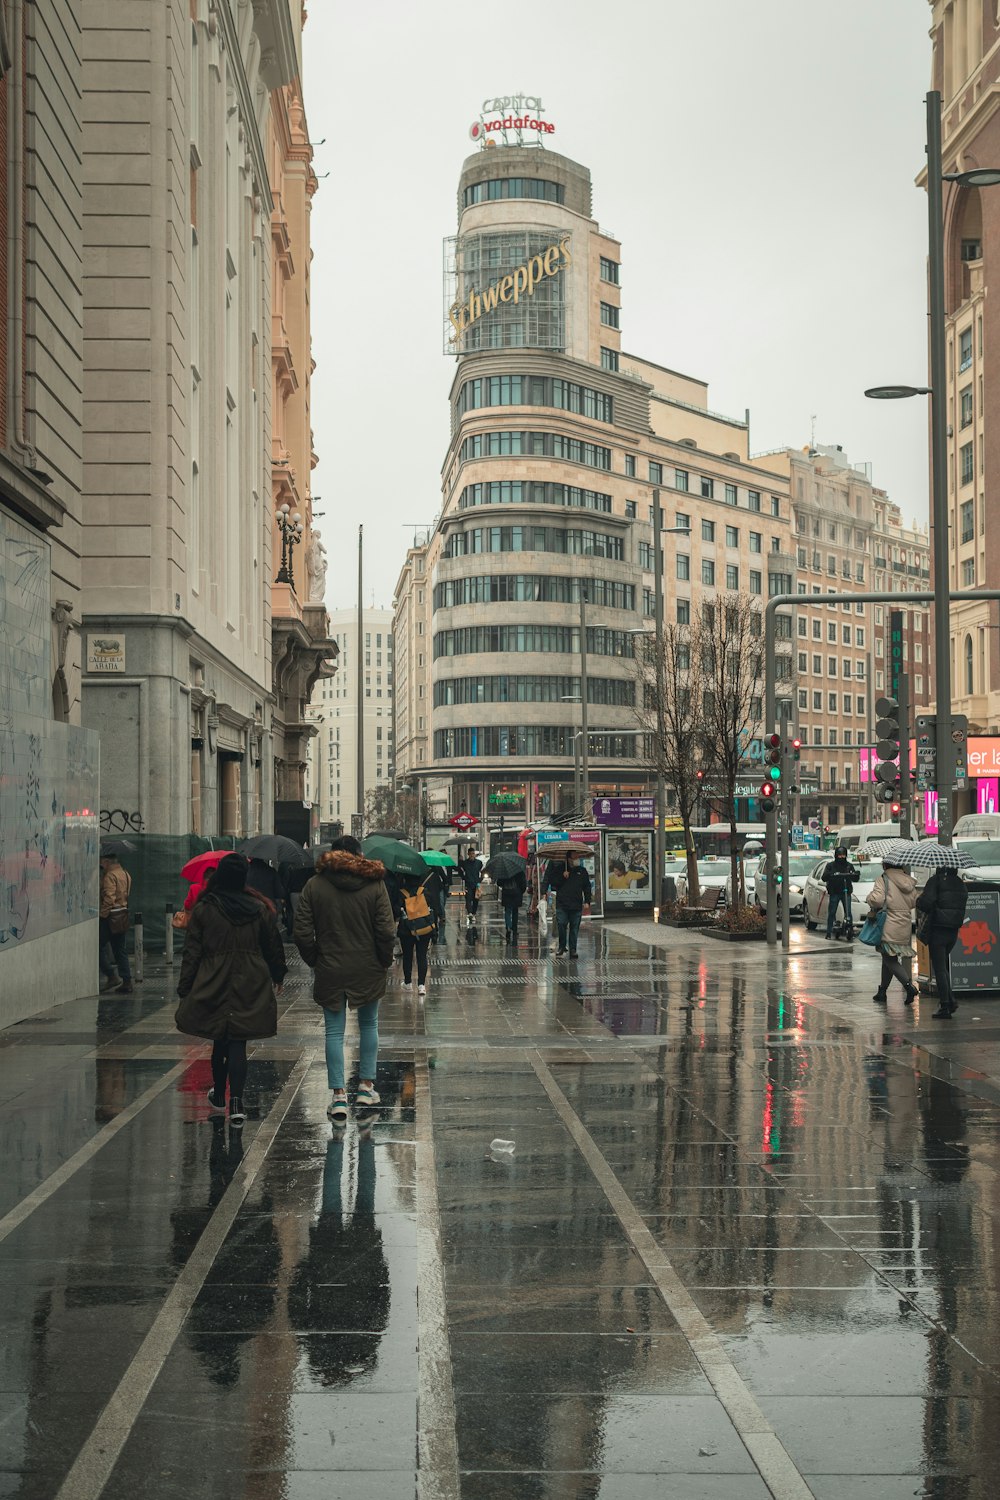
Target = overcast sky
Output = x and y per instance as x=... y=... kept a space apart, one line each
x=757 y=162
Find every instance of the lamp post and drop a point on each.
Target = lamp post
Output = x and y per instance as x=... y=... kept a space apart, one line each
x=585 y=738
x=290 y=526
x=937 y=390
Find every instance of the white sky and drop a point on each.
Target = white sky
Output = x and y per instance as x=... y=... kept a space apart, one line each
x=757 y=162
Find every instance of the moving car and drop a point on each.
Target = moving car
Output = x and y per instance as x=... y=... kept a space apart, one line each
x=799 y=867
x=712 y=876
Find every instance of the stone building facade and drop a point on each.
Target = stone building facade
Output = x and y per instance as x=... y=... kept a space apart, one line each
x=334 y=752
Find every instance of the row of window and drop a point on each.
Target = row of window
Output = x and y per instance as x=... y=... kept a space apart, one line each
x=532 y=689
x=521 y=588
x=831 y=565
x=831 y=631
x=847 y=704
x=513 y=187
x=532 y=492
x=530 y=739
x=565 y=638
x=831 y=666
x=534 y=539
x=535 y=390
x=535 y=445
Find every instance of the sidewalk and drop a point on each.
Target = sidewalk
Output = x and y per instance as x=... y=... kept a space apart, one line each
x=744 y=1245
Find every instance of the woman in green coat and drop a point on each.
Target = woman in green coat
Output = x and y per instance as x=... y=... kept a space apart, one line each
x=233 y=958
x=344 y=929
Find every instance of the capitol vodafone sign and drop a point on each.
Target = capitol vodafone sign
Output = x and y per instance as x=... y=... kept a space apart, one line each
x=518 y=112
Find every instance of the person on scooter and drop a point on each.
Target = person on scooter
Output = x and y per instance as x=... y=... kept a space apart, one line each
x=839 y=877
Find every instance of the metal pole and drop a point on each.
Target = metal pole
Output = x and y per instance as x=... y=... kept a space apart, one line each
x=939 y=473
x=139 y=960
x=870 y=737
x=360 y=694
x=786 y=832
x=577 y=798
x=661 y=797
x=168 y=946
x=905 y=784
x=584 y=742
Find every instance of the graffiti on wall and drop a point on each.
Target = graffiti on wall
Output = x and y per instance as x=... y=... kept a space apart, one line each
x=48 y=771
x=120 y=820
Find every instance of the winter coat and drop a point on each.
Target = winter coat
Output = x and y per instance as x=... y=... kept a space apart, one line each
x=512 y=889
x=944 y=898
x=232 y=959
x=571 y=884
x=895 y=891
x=344 y=929
x=472 y=873
x=115 y=886
x=839 y=876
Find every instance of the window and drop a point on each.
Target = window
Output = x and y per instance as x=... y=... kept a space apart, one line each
x=514 y=187
x=967 y=514
x=630 y=465
x=817 y=630
x=707 y=488
x=803 y=698
x=630 y=510
x=833 y=732
x=818 y=705
x=817 y=736
x=859 y=705
x=753 y=500
x=708 y=531
x=775 y=506
x=969 y=573
x=732 y=537
x=969 y=673
x=610 y=270
x=681 y=518
x=846 y=634
x=831 y=631
x=964 y=349
x=966 y=464
x=609 y=358
x=848 y=704
x=609 y=315
x=732 y=578
x=646 y=556
x=817 y=665
x=845 y=667
x=801 y=626
x=730 y=494
x=831 y=666
x=684 y=611
x=965 y=399
x=803 y=662
x=755 y=541
x=683 y=567
x=756 y=582
x=655 y=473
x=681 y=479
x=708 y=572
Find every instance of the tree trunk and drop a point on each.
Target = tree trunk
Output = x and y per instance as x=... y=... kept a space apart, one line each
x=734 y=866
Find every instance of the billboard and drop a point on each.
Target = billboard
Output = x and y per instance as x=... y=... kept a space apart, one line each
x=506 y=288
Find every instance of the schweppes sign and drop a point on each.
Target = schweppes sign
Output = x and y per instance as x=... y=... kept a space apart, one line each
x=510 y=288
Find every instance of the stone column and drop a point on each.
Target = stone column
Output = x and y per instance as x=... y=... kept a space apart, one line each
x=231 y=798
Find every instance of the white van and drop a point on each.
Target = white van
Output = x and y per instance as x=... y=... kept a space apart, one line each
x=978 y=826
x=855 y=837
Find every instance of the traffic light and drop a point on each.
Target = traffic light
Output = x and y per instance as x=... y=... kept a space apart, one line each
x=772 y=758
x=895 y=811
x=887 y=734
x=768 y=798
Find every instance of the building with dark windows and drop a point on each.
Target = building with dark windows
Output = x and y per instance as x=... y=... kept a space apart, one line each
x=558 y=439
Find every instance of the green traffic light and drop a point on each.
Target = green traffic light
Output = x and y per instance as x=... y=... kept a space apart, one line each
x=775 y=773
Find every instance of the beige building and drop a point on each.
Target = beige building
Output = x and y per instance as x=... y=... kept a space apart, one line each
x=180 y=296
x=333 y=773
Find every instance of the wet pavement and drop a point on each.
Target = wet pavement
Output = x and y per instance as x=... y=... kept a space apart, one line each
x=747 y=1243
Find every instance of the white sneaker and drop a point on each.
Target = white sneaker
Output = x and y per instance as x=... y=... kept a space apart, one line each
x=421 y=989
x=336 y=1110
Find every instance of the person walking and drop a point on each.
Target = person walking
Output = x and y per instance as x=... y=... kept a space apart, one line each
x=344 y=929
x=571 y=883
x=512 y=891
x=472 y=873
x=896 y=892
x=112 y=927
x=232 y=963
x=941 y=905
x=417 y=925
x=839 y=877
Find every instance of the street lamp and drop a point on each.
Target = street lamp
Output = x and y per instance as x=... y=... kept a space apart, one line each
x=290 y=526
x=937 y=390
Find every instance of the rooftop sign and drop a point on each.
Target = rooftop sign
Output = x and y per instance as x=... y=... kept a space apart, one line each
x=511 y=112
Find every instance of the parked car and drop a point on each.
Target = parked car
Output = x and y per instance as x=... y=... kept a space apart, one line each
x=986 y=851
x=749 y=880
x=817 y=897
x=712 y=876
x=977 y=826
x=855 y=838
x=799 y=866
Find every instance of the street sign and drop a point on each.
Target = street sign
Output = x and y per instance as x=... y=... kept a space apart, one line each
x=895 y=650
x=357 y=823
x=463 y=821
x=926 y=752
x=960 y=739
x=798 y=833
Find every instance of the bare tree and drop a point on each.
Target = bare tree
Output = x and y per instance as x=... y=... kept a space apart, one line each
x=389 y=807
x=669 y=694
x=727 y=639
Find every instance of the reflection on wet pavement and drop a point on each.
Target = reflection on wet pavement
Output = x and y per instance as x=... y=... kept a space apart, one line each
x=719 y=1149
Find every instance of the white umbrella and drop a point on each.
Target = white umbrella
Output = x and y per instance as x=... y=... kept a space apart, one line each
x=929 y=855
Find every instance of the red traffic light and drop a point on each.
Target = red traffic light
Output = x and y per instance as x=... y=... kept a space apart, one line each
x=700 y=775
x=796 y=744
x=773 y=742
x=896 y=809
x=768 y=789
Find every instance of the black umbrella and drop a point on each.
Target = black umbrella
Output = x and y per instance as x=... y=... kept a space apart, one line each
x=505 y=865
x=388 y=833
x=116 y=846
x=275 y=849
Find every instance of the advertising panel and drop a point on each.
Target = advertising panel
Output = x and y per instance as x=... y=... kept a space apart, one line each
x=628 y=860
x=975 y=958
x=625 y=812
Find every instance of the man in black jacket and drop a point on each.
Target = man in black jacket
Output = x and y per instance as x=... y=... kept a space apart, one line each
x=571 y=883
x=472 y=873
x=839 y=877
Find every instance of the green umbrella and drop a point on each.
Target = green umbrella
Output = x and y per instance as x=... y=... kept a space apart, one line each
x=399 y=858
x=437 y=857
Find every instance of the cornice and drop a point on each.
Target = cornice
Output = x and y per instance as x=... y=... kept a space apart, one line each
x=223 y=9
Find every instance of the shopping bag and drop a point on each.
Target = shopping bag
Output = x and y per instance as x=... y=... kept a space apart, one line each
x=871 y=932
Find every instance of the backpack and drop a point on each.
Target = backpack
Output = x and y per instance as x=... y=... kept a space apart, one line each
x=417 y=917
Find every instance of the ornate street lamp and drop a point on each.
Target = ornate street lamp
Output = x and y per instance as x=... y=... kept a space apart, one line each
x=290 y=526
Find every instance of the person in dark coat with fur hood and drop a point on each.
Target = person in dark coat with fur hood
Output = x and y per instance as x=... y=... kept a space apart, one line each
x=233 y=958
x=345 y=931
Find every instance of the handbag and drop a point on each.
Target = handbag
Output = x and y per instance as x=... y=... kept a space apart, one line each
x=871 y=932
x=118 y=920
x=923 y=926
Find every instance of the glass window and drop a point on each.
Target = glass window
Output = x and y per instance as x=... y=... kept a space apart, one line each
x=966 y=464
x=681 y=479
x=681 y=518
x=730 y=494
x=609 y=315
x=732 y=578
x=655 y=472
x=966 y=407
x=683 y=567
x=684 y=611
x=732 y=536
x=708 y=572
x=753 y=500
x=967 y=515
x=708 y=531
x=630 y=509
x=707 y=488
x=756 y=582
x=965 y=349
x=756 y=541
x=630 y=465
x=609 y=358
x=609 y=270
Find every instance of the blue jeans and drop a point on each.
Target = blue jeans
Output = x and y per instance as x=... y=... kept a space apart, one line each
x=112 y=951
x=368 y=1025
x=510 y=918
x=837 y=899
x=568 y=925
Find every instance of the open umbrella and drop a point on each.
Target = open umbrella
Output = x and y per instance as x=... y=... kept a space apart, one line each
x=437 y=857
x=397 y=857
x=116 y=846
x=504 y=865
x=388 y=833
x=195 y=869
x=929 y=855
x=275 y=849
x=563 y=848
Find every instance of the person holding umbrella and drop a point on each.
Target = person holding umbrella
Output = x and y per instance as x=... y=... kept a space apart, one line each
x=507 y=869
x=941 y=907
x=895 y=892
x=568 y=877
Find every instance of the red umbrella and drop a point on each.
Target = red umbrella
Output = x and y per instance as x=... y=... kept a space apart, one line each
x=196 y=869
x=522 y=843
